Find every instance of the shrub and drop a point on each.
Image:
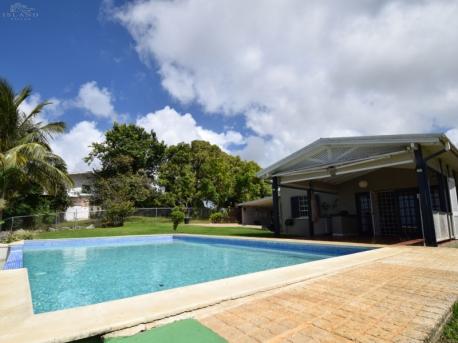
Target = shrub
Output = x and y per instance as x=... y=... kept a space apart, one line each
x=177 y=217
x=117 y=212
x=217 y=217
x=18 y=235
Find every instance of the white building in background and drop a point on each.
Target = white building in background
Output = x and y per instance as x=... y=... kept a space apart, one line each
x=80 y=196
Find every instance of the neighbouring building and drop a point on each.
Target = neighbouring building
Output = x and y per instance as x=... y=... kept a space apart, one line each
x=257 y=212
x=394 y=186
x=80 y=196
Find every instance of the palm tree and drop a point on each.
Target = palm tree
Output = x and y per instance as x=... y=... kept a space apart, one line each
x=25 y=154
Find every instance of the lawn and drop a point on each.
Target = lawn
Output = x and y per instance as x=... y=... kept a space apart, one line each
x=450 y=332
x=150 y=226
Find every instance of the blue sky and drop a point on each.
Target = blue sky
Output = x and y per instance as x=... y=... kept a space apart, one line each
x=260 y=79
x=70 y=43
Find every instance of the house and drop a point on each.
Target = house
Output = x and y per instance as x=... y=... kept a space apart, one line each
x=80 y=196
x=256 y=212
x=392 y=186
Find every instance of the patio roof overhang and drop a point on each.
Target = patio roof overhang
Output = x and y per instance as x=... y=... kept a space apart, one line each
x=336 y=160
x=337 y=173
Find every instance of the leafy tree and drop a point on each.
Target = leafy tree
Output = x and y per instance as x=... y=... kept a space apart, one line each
x=247 y=186
x=200 y=173
x=31 y=200
x=129 y=187
x=213 y=174
x=130 y=158
x=128 y=148
x=177 y=176
x=119 y=195
x=25 y=154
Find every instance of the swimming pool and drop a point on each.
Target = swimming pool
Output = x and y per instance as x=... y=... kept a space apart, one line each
x=76 y=272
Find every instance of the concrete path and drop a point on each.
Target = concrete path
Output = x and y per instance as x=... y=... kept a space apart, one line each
x=402 y=298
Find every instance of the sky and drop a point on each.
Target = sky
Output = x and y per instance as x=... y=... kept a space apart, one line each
x=259 y=78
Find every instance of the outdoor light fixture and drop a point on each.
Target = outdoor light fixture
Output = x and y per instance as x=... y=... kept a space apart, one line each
x=332 y=171
x=363 y=184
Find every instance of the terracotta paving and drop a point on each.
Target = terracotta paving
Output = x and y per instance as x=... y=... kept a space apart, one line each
x=404 y=298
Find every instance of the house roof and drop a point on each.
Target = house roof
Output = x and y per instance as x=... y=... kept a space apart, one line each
x=263 y=202
x=328 y=152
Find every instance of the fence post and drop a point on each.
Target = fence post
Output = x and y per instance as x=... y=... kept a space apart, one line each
x=12 y=224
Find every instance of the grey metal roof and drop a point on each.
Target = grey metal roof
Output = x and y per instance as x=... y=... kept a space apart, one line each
x=363 y=146
x=262 y=202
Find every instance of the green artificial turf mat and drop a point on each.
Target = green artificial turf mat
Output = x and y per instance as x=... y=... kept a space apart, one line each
x=182 y=331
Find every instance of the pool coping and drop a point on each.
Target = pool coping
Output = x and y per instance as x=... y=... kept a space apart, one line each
x=85 y=321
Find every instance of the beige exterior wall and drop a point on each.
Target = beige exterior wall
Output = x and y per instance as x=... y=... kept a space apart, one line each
x=301 y=225
x=256 y=216
x=379 y=180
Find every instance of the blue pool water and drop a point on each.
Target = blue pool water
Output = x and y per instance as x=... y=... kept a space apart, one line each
x=70 y=273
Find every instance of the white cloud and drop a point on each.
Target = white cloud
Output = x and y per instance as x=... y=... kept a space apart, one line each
x=96 y=100
x=52 y=110
x=73 y=146
x=173 y=127
x=297 y=70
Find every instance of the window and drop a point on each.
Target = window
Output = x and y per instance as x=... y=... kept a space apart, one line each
x=299 y=206
x=435 y=198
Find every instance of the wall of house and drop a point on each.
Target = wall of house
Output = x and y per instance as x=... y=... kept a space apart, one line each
x=80 y=180
x=301 y=226
x=379 y=180
x=256 y=216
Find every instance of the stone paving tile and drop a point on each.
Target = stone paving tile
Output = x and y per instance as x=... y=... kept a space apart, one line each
x=400 y=299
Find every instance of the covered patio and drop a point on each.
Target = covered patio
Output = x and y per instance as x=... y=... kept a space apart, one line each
x=399 y=187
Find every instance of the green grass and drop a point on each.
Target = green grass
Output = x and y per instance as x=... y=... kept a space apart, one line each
x=150 y=226
x=450 y=332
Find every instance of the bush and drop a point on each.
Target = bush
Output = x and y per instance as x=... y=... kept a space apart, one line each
x=217 y=217
x=117 y=212
x=18 y=235
x=177 y=217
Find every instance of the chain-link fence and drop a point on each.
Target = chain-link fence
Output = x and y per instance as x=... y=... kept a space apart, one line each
x=88 y=218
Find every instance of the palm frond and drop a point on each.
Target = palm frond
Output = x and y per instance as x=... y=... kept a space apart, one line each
x=53 y=128
x=23 y=94
x=37 y=110
x=25 y=154
x=48 y=176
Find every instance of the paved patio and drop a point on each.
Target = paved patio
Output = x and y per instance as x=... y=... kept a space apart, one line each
x=402 y=298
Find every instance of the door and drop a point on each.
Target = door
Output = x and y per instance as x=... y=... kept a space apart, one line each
x=399 y=213
x=364 y=212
